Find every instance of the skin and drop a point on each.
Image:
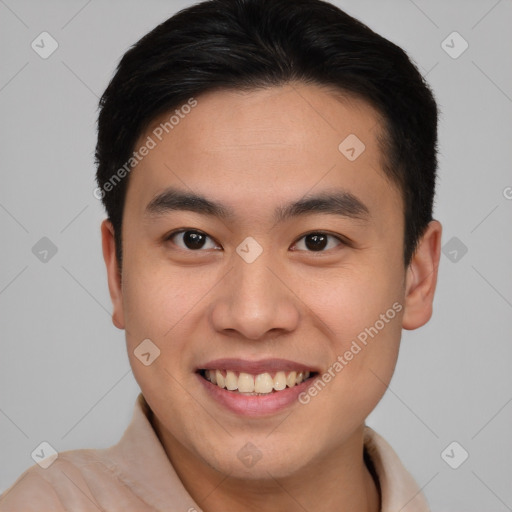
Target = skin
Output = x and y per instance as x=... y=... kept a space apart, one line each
x=254 y=151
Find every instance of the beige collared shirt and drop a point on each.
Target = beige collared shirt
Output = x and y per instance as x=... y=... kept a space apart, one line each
x=135 y=475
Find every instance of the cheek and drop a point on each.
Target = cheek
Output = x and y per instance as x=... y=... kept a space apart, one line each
x=155 y=305
x=162 y=304
x=348 y=300
x=364 y=314
x=156 y=298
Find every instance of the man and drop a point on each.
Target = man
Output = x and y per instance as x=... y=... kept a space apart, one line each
x=268 y=171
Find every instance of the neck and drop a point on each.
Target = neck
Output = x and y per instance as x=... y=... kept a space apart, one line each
x=337 y=482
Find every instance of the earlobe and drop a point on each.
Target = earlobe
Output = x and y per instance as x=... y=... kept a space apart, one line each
x=421 y=279
x=113 y=274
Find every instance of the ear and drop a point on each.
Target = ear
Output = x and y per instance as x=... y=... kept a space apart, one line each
x=114 y=276
x=421 y=278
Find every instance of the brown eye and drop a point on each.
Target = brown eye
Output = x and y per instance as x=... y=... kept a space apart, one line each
x=317 y=242
x=191 y=239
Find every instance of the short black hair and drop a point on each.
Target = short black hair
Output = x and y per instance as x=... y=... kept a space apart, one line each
x=251 y=44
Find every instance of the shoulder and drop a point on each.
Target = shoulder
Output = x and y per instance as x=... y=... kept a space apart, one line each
x=30 y=488
x=63 y=486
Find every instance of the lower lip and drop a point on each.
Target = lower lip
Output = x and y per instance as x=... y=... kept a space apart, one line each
x=255 y=405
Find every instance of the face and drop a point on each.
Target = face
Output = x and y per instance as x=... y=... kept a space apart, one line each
x=288 y=260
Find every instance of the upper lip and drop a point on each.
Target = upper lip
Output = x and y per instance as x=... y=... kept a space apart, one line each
x=256 y=367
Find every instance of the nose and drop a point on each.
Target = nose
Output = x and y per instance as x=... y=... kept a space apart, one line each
x=255 y=301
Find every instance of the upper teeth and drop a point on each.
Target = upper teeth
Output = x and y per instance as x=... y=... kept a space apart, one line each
x=261 y=383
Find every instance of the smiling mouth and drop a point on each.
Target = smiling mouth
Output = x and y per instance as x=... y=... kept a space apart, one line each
x=255 y=385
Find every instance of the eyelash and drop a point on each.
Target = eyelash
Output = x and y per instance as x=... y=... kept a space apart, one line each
x=340 y=239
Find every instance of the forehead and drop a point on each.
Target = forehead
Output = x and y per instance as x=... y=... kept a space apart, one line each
x=250 y=148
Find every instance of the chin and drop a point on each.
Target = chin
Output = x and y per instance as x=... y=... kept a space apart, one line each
x=257 y=460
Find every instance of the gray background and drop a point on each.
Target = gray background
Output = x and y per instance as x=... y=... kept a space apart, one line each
x=64 y=371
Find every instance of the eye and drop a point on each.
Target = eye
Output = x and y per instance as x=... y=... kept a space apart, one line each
x=191 y=239
x=317 y=242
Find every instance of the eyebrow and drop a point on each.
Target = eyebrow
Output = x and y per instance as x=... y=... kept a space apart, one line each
x=339 y=202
